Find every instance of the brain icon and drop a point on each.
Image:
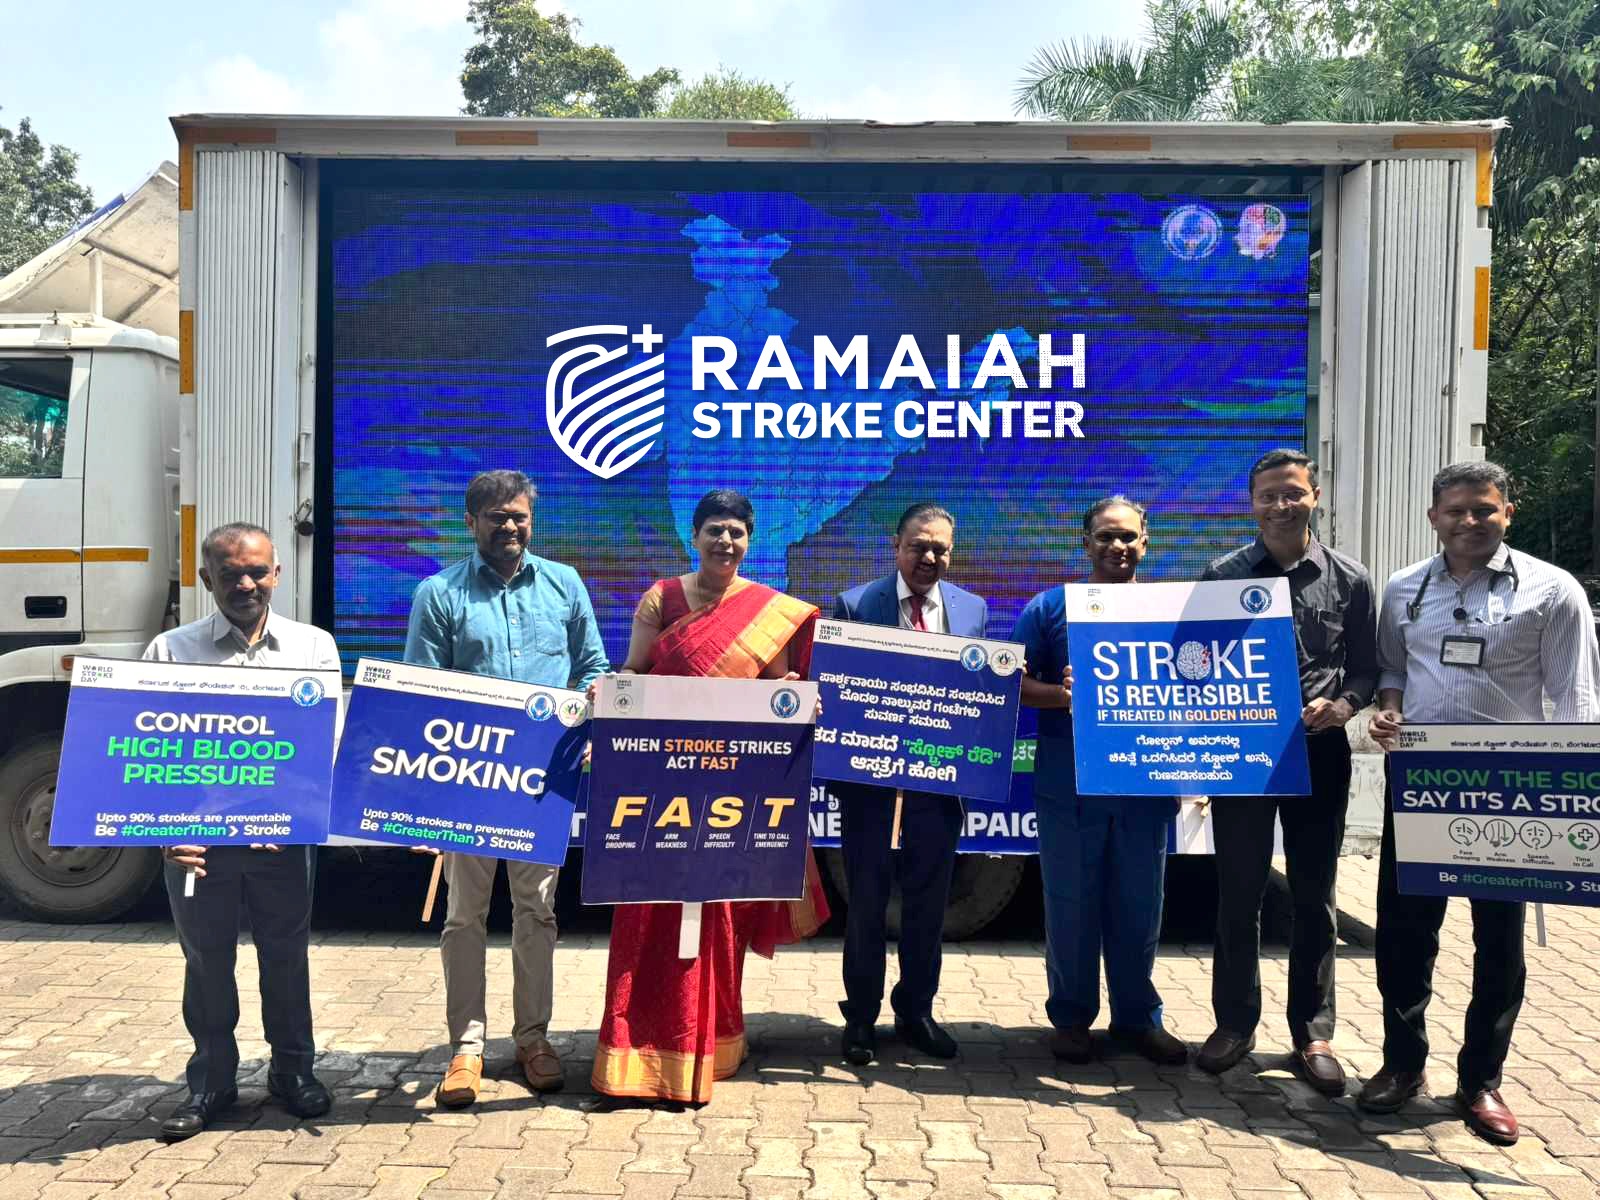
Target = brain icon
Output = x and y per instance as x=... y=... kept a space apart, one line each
x=1194 y=661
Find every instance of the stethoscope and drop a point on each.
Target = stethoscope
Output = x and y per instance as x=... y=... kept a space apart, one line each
x=1414 y=609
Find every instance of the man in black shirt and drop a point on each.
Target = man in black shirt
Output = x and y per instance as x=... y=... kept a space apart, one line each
x=1335 y=627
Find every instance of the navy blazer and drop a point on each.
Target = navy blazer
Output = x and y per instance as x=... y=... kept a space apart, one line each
x=878 y=603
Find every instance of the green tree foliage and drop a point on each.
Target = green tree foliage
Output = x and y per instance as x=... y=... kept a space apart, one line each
x=1173 y=76
x=40 y=196
x=726 y=95
x=525 y=64
x=1535 y=62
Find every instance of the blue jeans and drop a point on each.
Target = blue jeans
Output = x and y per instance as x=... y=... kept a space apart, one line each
x=1103 y=859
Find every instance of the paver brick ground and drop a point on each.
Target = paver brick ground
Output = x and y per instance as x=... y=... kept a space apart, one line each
x=92 y=1048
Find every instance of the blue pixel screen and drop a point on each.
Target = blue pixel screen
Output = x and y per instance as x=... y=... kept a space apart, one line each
x=834 y=354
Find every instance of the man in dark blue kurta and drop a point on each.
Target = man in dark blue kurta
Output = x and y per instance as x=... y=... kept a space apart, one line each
x=1102 y=858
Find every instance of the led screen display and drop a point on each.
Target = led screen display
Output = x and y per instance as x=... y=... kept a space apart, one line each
x=834 y=354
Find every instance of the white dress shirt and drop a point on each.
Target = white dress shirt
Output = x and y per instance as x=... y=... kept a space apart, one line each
x=216 y=641
x=933 y=616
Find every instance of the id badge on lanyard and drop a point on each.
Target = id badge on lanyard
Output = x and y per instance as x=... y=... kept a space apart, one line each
x=1459 y=650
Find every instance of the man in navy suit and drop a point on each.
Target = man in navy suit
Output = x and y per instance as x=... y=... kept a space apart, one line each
x=915 y=596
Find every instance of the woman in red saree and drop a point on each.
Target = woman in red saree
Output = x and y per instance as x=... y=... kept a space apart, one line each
x=672 y=1026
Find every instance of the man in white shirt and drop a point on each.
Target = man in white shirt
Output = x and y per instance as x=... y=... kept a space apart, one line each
x=1476 y=634
x=273 y=885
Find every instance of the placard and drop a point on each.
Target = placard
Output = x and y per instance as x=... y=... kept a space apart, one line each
x=1498 y=812
x=1181 y=688
x=699 y=790
x=925 y=711
x=460 y=762
x=177 y=754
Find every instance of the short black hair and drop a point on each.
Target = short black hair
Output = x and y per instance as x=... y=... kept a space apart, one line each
x=232 y=534
x=923 y=510
x=1116 y=501
x=725 y=502
x=1283 y=457
x=489 y=488
x=1478 y=474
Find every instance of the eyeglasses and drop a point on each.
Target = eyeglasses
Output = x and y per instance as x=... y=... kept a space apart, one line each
x=498 y=517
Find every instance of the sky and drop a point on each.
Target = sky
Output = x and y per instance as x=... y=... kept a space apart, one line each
x=103 y=76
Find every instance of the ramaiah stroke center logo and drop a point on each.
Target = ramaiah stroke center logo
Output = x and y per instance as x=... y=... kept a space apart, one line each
x=605 y=406
x=605 y=416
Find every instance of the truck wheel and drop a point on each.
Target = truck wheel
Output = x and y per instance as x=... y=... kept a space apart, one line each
x=58 y=883
x=979 y=890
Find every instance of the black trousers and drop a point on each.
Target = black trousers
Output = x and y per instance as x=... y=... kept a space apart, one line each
x=930 y=827
x=1408 y=944
x=275 y=890
x=1313 y=829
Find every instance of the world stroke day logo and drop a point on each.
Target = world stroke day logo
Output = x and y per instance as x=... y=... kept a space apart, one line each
x=306 y=692
x=973 y=657
x=604 y=412
x=1255 y=600
x=541 y=707
x=785 y=703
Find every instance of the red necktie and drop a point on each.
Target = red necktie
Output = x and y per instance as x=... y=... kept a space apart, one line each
x=916 y=612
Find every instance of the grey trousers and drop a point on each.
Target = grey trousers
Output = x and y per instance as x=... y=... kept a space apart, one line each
x=464 y=948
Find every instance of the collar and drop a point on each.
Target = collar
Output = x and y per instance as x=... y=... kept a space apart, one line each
x=1257 y=553
x=224 y=630
x=1499 y=562
x=903 y=592
x=480 y=564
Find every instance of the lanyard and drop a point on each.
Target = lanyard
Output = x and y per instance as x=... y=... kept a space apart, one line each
x=1414 y=609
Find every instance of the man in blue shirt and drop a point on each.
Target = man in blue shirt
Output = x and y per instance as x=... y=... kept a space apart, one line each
x=504 y=612
x=1102 y=858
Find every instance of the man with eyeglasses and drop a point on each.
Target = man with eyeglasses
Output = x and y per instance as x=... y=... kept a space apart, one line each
x=1102 y=859
x=1336 y=641
x=1478 y=633
x=915 y=596
x=503 y=611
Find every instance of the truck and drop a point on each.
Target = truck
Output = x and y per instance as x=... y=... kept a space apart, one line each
x=836 y=317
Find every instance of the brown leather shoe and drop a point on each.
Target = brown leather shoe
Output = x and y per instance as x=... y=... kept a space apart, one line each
x=1388 y=1090
x=1223 y=1050
x=1488 y=1117
x=1318 y=1067
x=541 y=1066
x=1072 y=1044
x=459 y=1087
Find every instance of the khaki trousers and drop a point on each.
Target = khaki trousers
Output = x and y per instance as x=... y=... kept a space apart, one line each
x=464 y=946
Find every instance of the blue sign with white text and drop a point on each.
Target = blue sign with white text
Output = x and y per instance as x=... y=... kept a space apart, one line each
x=1185 y=689
x=172 y=754
x=923 y=711
x=459 y=762
x=701 y=808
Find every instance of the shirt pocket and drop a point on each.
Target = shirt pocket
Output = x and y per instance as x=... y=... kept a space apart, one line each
x=1320 y=630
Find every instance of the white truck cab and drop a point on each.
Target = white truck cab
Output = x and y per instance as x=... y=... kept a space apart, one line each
x=88 y=516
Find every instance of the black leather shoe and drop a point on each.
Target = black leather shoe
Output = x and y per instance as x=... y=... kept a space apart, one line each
x=189 y=1119
x=1317 y=1066
x=1072 y=1044
x=303 y=1095
x=924 y=1033
x=859 y=1045
x=1388 y=1090
x=1154 y=1043
x=1223 y=1050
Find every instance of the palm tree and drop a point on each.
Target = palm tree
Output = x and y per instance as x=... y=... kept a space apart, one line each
x=1179 y=74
